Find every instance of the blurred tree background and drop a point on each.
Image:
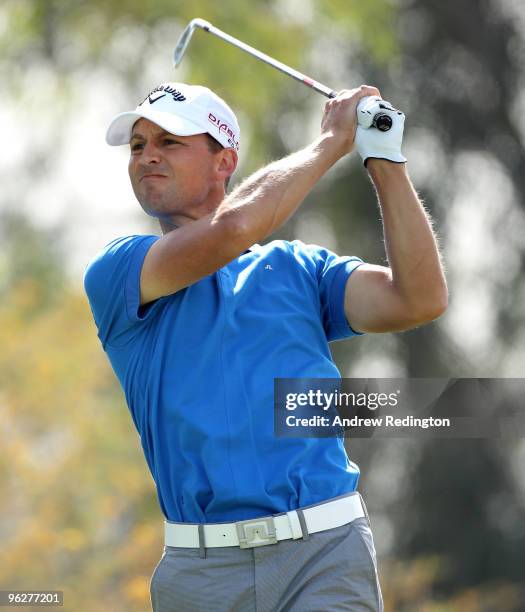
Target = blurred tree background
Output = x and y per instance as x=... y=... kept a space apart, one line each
x=78 y=509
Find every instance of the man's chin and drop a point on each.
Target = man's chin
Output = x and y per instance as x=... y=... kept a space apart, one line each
x=155 y=207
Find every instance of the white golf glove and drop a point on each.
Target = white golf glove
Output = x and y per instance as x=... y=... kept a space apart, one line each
x=371 y=142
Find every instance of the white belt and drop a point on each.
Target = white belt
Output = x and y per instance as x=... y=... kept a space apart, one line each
x=266 y=529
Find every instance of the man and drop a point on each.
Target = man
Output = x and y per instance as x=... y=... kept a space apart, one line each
x=198 y=323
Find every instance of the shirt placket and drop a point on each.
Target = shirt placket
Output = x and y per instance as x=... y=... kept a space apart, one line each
x=226 y=294
x=242 y=453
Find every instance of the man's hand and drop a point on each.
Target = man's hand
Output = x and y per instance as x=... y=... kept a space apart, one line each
x=340 y=115
x=373 y=143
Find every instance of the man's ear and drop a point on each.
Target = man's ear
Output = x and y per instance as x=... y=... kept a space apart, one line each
x=227 y=163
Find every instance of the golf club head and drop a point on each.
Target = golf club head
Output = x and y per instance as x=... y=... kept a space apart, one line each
x=185 y=38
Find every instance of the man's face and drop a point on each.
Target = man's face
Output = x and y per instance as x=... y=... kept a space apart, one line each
x=170 y=175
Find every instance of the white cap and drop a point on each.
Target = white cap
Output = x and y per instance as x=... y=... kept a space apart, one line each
x=182 y=110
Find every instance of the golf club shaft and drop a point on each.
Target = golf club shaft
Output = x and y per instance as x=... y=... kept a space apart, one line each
x=323 y=89
x=381 y=121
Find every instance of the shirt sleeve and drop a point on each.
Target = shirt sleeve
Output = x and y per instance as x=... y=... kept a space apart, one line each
x=331 y=272
x=112 y=284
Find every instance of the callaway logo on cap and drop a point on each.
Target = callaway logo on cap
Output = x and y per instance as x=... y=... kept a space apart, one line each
x=182 y=110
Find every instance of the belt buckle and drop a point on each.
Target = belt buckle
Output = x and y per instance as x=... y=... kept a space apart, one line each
x=256 y=532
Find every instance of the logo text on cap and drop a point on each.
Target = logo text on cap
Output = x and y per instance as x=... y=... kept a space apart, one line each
x=224 y=127
x=175 y=94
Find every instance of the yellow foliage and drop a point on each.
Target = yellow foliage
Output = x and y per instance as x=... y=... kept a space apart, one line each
x=137 y=590
x=72 y=539
x=107 y=506
x=144 y=535
x=72 y=463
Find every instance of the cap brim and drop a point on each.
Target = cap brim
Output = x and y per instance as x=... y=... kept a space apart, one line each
x=119 y=130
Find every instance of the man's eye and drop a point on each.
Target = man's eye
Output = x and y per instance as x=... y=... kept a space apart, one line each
x=170 y=141
x=137 y=146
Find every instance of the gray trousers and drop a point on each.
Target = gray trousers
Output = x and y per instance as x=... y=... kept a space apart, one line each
x=331 y=570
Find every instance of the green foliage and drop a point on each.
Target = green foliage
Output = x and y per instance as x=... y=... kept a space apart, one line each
x=30 y=259
x=372 y=24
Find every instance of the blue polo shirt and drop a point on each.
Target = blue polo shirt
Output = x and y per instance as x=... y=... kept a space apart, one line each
x=198 y=367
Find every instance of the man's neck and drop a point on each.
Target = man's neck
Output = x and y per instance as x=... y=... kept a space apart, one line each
x=212 y=202
x=167 y=225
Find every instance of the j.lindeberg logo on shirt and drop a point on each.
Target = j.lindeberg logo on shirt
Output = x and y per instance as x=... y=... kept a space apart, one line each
x=268 y=267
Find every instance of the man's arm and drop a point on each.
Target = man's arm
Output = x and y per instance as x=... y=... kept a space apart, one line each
x=255 y=209
x=413 y=290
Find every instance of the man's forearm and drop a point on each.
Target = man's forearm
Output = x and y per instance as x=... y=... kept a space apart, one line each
x=411 y=246
x=266 y=199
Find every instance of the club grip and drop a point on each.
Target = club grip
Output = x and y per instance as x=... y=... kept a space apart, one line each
x=370 y=113
x=382 y=122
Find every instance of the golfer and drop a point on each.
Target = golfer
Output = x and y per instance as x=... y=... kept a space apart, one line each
x=199 y=321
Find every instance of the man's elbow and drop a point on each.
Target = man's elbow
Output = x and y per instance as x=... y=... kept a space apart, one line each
x=431 y=308
x=235 y=232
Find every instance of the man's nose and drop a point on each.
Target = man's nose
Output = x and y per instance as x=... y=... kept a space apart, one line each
x=150 y=154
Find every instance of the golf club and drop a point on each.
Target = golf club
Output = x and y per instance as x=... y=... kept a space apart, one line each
x=381 y=121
